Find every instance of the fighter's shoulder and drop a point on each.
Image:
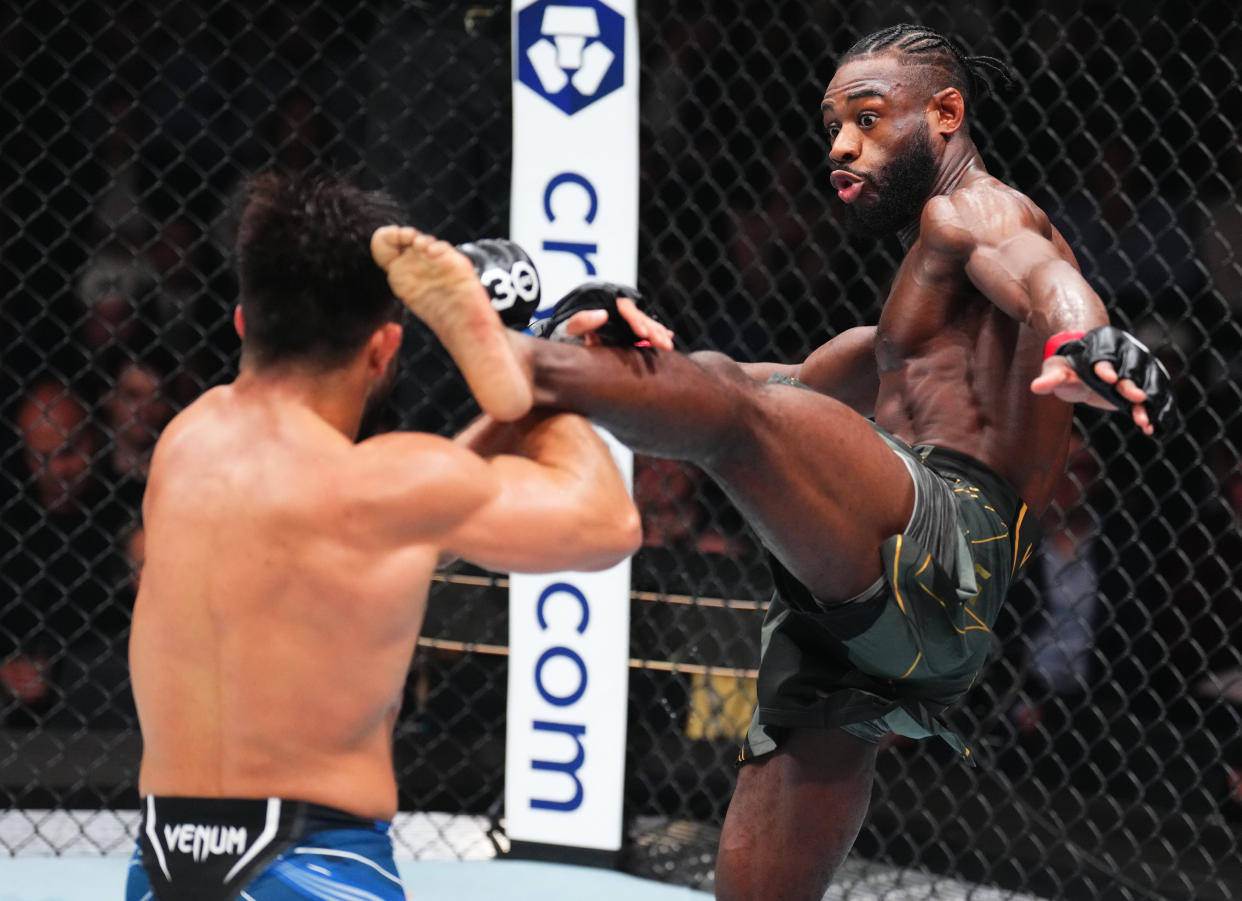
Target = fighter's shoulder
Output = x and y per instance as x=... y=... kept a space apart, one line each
x=182 y=434
x=416 y=455
x=419 y=468
x=984 y=212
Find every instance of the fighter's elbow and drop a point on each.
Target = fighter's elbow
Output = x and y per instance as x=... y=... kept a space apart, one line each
x=629 y=531
x=614 y=537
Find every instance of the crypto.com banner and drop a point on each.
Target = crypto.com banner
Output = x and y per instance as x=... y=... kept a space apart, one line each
x=575 y=210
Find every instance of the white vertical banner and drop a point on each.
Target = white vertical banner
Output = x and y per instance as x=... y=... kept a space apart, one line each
x=575 y=210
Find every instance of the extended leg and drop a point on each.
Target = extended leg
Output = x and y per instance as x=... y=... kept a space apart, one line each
x=811 y=476
x=794 y=817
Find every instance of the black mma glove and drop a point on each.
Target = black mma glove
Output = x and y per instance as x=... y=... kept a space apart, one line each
x=509 y=277
x=616 y=332
x=1132 y=360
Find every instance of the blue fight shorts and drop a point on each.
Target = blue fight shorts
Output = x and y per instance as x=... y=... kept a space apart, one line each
x=221 y=849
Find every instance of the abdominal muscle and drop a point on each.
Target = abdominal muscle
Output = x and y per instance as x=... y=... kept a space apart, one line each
x=944 y=398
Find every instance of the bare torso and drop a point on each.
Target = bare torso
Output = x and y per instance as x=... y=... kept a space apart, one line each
x=955 y=370
x=274 y=629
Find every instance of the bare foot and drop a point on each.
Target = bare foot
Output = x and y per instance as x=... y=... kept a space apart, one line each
x=438 y=284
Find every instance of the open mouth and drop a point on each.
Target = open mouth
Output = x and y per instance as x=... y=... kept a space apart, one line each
x=848 y=185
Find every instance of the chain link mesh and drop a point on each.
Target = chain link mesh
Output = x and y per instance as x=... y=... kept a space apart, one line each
x=1108 y=723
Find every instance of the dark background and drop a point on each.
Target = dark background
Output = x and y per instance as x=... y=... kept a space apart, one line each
x=1107 y=729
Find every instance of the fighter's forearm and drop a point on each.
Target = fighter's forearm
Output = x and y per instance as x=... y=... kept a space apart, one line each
x=661 y=403
x=558 y=500
x=1031 y=277
x=544 y=435
x=1061 y=301
x=600 y=523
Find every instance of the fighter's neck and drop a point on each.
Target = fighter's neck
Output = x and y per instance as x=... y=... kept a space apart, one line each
x=955 y=170
x=331 y=396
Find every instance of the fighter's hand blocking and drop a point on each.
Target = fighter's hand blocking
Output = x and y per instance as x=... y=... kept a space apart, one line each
x=439 y=285
x=604 y=313
x=1108 y=367
x=509 y=276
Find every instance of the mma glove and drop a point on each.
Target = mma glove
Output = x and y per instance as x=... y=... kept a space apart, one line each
x=509 y=276
x=616 y=332
x=1132 y=360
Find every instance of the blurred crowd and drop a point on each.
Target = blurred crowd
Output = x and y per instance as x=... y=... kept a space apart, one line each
x=137 y=126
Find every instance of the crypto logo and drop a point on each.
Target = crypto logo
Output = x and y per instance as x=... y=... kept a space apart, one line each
x=572 y=52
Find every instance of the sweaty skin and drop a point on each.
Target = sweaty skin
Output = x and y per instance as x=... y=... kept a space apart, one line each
x=287 y=567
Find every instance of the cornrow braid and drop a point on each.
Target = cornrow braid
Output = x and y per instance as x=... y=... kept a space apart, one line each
x=976 y=72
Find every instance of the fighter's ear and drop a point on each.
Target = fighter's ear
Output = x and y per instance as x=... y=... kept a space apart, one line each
x=947 y=111
x=383 y=345
x=239 y=322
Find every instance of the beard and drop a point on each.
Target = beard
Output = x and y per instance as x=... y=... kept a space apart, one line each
x=901 y=190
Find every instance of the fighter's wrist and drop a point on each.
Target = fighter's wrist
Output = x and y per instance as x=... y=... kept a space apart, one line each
x=1054 y=343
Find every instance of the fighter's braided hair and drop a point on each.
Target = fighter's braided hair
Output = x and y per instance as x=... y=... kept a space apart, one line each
x=969 y=74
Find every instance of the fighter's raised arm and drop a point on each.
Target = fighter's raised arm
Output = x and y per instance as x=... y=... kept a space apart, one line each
x=560 y=502
x=1014 y=256
x=539 y=494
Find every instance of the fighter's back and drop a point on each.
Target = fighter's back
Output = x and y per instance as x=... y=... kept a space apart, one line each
x=276 y=620
x=956 y=363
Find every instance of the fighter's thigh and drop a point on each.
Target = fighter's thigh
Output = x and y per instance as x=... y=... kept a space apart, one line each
x=794 y=817
x=817 y=483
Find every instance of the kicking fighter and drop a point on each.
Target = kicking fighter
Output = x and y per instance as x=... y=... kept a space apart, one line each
x=287 y=567
x=893 y=541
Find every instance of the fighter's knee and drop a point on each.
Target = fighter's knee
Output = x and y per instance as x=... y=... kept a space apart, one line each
x=722 y=367
x=744 y=393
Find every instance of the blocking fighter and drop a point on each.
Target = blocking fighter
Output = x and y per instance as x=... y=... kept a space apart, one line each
x=896 y=476
x=287 y=566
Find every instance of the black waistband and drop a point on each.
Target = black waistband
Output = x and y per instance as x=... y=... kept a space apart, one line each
x=998 y=490
x=300 y=817
x=209 y=849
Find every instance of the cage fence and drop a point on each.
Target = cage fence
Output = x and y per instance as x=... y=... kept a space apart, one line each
x=1109 y=721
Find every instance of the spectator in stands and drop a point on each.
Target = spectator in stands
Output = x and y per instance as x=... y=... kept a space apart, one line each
x=694 y=544
x=115 y=314
x=137 y=404
x=694 y=541
x=114 y=291
x=667 y=493
x=56 y=580
x=59 y=445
